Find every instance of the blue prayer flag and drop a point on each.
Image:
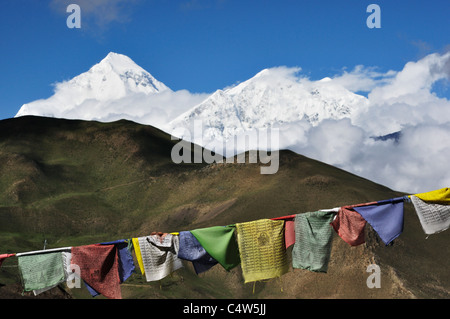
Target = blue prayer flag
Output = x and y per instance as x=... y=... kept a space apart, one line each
x=385 y=217
x=191 y=250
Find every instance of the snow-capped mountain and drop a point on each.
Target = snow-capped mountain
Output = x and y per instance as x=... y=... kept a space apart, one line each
x=321 y=119
x=117 y=88
x=272 y=98
x=115 y=76
x=90 y=94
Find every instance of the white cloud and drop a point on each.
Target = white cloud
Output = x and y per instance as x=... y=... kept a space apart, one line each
x=401 y=101
x=152 y=109
x=418 y=162
x=413 y=84
x=407 y=98
x=363 y=79
x=336 y=141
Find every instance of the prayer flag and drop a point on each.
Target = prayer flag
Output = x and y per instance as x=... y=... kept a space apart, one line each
x=220 y=243
x=126 y=263
x=159 y=255
x=385 y=217
x=99 y=267
x=41 y=270
x=434 y=218
x=349 y=224
x=313 y=239
x=439 y=196
x=262 y=249
x=66 y=256
x=137 y=251
x=191 y=250
x=289 y=233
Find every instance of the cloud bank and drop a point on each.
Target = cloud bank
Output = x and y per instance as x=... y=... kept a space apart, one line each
x=150 y=109
x=403 y=101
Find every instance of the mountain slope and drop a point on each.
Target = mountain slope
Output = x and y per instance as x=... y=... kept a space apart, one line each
x=75 y=182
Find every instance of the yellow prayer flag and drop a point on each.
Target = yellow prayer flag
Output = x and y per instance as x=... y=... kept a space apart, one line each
x=262 y=249
x=439 y=196
x=137 y=250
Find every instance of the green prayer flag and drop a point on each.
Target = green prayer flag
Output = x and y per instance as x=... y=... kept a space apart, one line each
x=313 y=239
x=220 y=243
x=41 y=270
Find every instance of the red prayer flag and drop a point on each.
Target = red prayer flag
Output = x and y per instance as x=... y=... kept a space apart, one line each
x=349 y=224
x=289 y=229
x=99 y=267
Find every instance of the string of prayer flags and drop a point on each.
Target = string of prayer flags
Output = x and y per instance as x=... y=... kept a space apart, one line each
x=191 y=250
x=262 y=249
x=385 y=217
x=99 y=268
x=434 y=218
x=313 y=240
x=289 y=232
x=259 y=246
x=220 y=243
x=4 y=256
x=159 y=255
x=349 y=224
x=126 y=263
x=41 y=270
x=439 y=196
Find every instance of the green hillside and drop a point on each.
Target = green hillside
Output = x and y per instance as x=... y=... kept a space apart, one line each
x=75 y=182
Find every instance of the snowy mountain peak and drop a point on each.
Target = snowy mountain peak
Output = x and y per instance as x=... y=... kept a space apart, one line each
x=113 y=78
x=121 y=75
x=118 y=63
x=273 y=97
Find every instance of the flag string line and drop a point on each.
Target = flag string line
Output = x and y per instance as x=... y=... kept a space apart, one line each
x=406 y=198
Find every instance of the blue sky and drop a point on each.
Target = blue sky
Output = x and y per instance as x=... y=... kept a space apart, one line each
x=204 y=45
